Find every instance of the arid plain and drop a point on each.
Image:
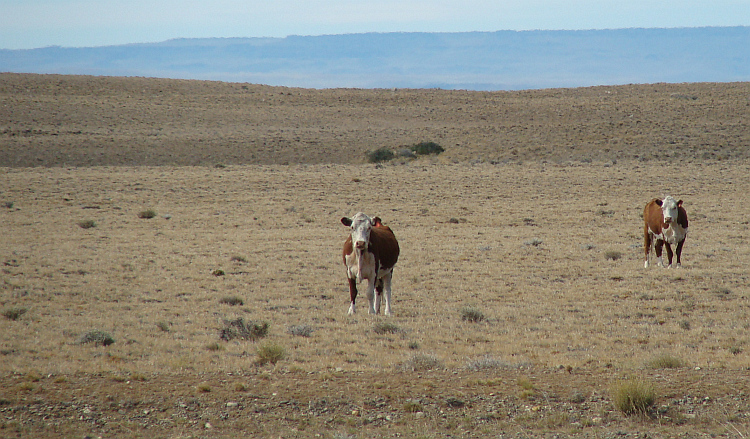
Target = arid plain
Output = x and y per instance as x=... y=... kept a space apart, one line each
x=529 y=223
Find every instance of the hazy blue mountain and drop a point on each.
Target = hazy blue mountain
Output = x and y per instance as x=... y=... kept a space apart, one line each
x=504 y=60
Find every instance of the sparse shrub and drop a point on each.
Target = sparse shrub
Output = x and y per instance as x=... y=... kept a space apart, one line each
x=413 y=345
x=386 y=328
x=300 y=330
x=147 y=214
x=612 y=255
x=536 y=242
x=86 y=224
x=735 y=350
x=426 y=148
x=269 y=353
x=237 y=258
x=485 y=363
x=213 y=347
x=685 y=325
x=665 y=361
x=204 y=387
x=380 y=155
x=14 y=313
x=239 y=329
x=231 y=301
x=454 y=402
x=218 y=272
x=634 y=396
x=421 y=362
x=471 y=315
x=164 y=326
x=525 y=383
x=97 y=337
x=413 y=407
x=8 y=204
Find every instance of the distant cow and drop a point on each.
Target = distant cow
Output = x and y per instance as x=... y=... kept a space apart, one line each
x=665 y=222
x=370 y=252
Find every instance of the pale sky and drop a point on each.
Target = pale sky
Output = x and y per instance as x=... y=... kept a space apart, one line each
x=26 y=24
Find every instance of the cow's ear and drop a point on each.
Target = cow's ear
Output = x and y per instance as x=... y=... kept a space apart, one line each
x=658 y=201
x=377 y=221
x=679 y=203
x=346 y=221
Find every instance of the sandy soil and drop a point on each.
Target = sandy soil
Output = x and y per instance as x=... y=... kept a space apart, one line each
x=544 y=244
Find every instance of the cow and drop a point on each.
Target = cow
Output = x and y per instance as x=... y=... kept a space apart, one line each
x=370 y=253
x=665 y=223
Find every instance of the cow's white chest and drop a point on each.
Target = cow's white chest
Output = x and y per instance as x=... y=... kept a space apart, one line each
x=674 y=234
x=361 y=265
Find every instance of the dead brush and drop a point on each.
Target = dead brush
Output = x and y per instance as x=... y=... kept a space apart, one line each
x=237 y=328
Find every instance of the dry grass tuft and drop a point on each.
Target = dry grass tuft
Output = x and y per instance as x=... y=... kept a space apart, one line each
x=269 y=353
x=231 y=301
x=421 y=362
x=147 y=214
x=86 y=224
x=612 y=255
x=386 y=328
x=300 y=330
x=634 y=396
x=665 y=361
x=472 y=315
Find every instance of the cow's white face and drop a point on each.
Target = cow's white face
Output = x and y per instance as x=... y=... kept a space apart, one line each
x=670 y=209
x=361 y=226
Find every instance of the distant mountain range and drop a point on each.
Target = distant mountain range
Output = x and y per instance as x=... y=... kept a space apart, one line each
x=504 y=60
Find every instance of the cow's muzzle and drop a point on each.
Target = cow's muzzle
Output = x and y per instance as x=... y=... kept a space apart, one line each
x=361 y=245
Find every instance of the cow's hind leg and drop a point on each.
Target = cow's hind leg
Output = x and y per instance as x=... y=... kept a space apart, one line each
x=352 y=294
x=646 y=244
x=378 y=295
x=657 y=249
x=387 y=292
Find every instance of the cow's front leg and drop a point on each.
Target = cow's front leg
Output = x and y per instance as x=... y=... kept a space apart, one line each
x=678 y=253
x=657 y=249
x=352 y=294
x=669 y=254
x=371 y=295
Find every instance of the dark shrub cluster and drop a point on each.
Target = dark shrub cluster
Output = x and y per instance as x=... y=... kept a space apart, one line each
x=239 y=329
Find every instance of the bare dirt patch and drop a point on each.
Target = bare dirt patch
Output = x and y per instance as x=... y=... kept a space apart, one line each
x=526 y=243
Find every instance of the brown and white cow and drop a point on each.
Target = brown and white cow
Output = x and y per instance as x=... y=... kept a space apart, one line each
x=665 y=222
x=370 y=253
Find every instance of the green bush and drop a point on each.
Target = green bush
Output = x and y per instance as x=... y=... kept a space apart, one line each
x=98 y=338
x=239 y=329
x=380 y=155
x=425 y=148
x=14 y=313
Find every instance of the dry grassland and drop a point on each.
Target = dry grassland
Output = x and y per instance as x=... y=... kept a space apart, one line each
x=546 y=252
